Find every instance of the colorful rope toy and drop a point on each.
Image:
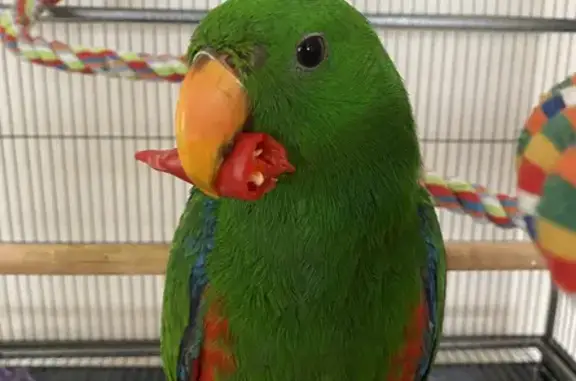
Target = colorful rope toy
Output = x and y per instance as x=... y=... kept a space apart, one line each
x=546 y=160
x=14 y=33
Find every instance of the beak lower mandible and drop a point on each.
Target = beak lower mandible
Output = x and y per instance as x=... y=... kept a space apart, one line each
x=212 y=108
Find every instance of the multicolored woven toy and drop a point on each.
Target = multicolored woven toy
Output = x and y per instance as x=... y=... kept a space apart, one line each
x=546 y=163
x=546 y=159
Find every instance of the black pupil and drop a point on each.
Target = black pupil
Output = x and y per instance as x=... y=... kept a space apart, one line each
x=310 y=52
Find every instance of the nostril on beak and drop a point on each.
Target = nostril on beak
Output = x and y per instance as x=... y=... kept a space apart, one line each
x=228 y=60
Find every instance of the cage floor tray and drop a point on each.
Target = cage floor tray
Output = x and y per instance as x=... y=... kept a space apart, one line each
x=483 y=372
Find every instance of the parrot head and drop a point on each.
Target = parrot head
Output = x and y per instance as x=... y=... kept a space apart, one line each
x=280 y=91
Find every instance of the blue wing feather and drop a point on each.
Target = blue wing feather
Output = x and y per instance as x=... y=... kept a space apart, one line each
x=431 y=284
x=200 y=245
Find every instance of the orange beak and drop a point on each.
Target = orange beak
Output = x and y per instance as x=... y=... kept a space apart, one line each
x=212 y=108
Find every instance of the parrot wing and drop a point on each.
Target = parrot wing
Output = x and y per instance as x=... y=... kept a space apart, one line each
x=414 y=360
x=434 y=281
x=191 y=322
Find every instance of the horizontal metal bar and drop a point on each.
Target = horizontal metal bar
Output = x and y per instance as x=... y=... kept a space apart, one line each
x=393 y=21
x=170 y=137
x=79 y=349
x=489 y=342
x=59 y=137
x=34 y=349
x=472 y=23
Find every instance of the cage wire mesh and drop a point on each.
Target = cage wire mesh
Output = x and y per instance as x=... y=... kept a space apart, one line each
x=67 y=172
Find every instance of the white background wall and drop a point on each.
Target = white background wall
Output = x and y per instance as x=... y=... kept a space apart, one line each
x=67 y=171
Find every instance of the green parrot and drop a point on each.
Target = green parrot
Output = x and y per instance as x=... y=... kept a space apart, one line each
x=308 y=249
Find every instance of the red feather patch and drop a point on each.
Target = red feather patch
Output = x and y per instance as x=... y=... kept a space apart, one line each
x=215 y=356
x=405 y=365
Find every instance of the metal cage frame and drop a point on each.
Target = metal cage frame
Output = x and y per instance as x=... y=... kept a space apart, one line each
x=556 y=363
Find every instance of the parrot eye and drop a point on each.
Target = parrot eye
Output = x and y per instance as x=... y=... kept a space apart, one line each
x=311 y=51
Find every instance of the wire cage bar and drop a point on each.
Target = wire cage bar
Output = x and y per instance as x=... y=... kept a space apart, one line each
x=411 y=21
x=82 y=267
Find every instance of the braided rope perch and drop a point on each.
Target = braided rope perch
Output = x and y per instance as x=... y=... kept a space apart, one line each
x=546 y=151
x=14 y=33
x=474 y=200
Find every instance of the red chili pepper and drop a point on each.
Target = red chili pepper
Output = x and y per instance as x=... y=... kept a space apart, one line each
x=251 y=169
x=164 y=161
